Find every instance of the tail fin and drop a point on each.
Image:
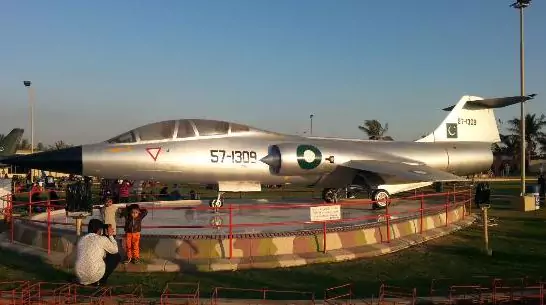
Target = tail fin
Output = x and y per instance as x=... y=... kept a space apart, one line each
x=8 y=145
x=472 y=119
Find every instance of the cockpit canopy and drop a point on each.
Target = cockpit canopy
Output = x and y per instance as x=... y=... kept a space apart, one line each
x=186 y=128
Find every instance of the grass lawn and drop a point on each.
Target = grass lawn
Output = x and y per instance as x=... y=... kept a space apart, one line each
x=518 y=242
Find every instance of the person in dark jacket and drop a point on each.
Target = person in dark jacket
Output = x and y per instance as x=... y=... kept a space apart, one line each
x=483 y=194
x=133 y=226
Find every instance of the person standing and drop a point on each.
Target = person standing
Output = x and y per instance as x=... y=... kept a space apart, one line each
x=108 y=212
x=133 y=227
x=124 y=191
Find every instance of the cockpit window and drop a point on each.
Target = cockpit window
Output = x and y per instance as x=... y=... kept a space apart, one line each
x=239 y=128
x=211 y=128
x=157 y=131
x=128 y=137
x=185 y=129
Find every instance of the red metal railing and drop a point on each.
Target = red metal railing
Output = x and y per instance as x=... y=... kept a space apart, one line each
x=130 y=294
x=337 y=294
x=476 y=290
x=181 y=293
x=263 y=295
x=13 y=292
x=450 y=199
x=397 y=295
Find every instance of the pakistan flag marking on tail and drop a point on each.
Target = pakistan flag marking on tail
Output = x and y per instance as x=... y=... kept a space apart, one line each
x=309 y=157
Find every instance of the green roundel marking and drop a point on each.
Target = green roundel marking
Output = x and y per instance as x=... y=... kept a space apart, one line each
x=309 y=157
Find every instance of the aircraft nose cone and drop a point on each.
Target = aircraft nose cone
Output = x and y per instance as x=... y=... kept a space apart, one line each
x=66 y=160
x=271 y=160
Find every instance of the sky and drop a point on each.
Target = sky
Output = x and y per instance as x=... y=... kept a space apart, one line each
x=100 y=68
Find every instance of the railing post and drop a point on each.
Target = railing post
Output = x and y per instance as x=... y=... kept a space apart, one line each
x=446 y=204
x=30 y=203
x=11 y=218
x=388 y=220
x=470 y=201
x=230 y=231
x=454 y=194
x=324 y=236
x=48 y=226
x=421 y=212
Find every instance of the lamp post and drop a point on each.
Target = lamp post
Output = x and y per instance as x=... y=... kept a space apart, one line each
x=311 y=127
x=520 y=5
x=27 y=84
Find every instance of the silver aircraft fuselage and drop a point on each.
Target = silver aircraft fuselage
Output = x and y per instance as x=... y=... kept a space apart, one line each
x=212 y=159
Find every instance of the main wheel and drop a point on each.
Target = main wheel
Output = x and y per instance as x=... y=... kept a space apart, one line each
x=216 y=203
x=329 y=195
x=380 y=198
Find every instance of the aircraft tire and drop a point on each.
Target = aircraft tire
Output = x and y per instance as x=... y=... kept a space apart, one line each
x=216 y=203
x=329 y=195
x=381 y=198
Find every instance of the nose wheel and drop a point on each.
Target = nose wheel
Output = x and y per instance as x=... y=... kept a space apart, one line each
x=380 y=199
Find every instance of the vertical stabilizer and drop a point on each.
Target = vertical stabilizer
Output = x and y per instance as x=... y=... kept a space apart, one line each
x=8 y=145
x=472 y=119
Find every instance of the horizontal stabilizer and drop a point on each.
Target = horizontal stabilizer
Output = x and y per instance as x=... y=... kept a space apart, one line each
x=492 y=103
x=410 y=171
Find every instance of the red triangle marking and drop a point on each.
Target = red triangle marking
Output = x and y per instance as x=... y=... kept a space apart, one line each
x=154 y=152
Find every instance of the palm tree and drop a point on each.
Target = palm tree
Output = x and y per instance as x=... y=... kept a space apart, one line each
x=375 y=130
x=533 y=131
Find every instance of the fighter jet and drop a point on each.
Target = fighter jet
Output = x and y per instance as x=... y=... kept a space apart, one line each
x=8 y=145
x=237 y=157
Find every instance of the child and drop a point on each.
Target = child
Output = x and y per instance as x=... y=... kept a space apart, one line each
x=108 y=212
x=133 y=226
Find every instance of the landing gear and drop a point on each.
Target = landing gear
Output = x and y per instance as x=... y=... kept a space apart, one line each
x=330 y=195
x=218 y=202
x=380 y=198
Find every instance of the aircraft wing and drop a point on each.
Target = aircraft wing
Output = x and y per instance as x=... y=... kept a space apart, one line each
x=411 y=171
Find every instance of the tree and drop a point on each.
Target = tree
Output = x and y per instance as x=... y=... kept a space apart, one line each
x=375 y=130
x=533 y=132
x=509 y=145
x=2 y=136
x=40 y=147
x=59 y=145
x=24 y=145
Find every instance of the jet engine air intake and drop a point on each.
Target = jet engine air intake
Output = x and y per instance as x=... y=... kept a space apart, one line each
x=293 y=159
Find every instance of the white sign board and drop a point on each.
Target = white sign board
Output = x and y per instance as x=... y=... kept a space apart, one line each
x=325 y=213
x=5 y=189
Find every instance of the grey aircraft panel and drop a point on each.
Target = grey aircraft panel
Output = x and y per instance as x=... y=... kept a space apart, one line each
x=403 y=170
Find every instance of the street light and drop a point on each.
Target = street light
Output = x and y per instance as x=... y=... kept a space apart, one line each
x=27 y=84
x=311 y=129
x=520 y=5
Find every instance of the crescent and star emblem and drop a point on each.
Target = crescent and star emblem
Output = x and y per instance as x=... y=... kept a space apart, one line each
x=451 y=129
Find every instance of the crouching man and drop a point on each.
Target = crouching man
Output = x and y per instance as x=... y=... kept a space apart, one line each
x=96 y=254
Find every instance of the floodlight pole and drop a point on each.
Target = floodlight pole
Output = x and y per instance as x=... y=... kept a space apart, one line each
x=27 y=84
x=311 y=127
x=520 y=5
